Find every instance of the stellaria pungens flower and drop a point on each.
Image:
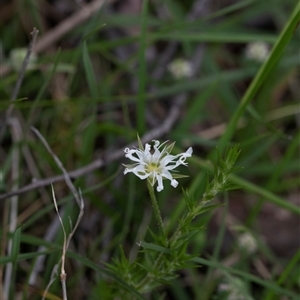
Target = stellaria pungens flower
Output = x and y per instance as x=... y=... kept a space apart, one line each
x=155 y=164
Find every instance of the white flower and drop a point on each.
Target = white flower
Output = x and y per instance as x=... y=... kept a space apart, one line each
x=257 y=51
x=247 y=242
x=156 y=164
x=233 y=290
x=17 y=56
x=180 y=68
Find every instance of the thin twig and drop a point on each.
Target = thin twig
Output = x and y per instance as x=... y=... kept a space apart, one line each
x=79 y=200
x=5 y=218
x=16 y=90
x=51 y=281
x=40 y=261
x=19 y=119
x=17 y=87
x=69 y=24
x=16 y=134
x=63 y=274
x=60 y=165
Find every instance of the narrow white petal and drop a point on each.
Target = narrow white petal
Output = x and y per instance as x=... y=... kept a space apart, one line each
x=165 y=173
x=160 y=185
x=189 y=151
x=174 y=183
x=147 y=149
x=133 y=158
x=173 y=166
x=159 y=188
x=141 y=176
x=156 y=144
x=156 y=156
x=167 y=159
x=140 y=172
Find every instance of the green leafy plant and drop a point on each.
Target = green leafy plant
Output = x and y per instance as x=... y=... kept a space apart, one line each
x=167 y=252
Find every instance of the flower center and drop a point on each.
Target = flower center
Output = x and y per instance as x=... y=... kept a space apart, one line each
x=152 y=167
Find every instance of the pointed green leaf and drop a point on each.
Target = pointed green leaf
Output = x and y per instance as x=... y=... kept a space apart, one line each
x=15 y=250
x=175 y=175
x=155 y=247
x=141 y=147
x=169 y=148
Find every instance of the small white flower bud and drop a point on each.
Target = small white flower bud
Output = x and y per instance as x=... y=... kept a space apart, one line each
x=17 y=57
x=180 y=68
x=257 y=51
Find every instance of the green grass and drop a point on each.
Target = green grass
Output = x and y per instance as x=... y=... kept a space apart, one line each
x=93 y=91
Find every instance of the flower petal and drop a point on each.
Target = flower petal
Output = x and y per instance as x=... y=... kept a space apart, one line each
x=160 y=185
x=174 y=183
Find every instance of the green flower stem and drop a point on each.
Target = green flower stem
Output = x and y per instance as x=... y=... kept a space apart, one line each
x=156 y=210
x=145 y=284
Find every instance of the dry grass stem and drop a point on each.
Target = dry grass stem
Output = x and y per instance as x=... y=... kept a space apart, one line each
x=17 y=87
x=13 y=203
x=79 y=200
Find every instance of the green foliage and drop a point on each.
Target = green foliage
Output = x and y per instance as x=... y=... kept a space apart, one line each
x=166 y=255
x=93 y=89
x=222 y=170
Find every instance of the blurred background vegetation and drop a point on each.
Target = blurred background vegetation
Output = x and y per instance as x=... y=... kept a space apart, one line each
x=103 y=71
